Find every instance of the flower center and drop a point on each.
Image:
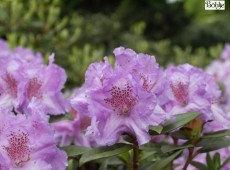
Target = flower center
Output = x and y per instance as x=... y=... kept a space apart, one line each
x=148 y=84
x=18 y=149
x=180 y=92
x=122 y=99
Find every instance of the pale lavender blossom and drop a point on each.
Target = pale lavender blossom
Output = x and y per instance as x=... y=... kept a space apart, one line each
x=44 y=84
x=4 y=49
x=63 y=132
x=122 y=100
x=226 y=52
x=27 y=142
x=12 y=84
x=27 y=85
x=27 y=55
x=82 y=117
x=189 y=89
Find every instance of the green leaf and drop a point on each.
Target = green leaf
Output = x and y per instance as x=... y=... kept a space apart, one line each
x=220 y=133
x=199 y=165
x=125 y=157
x=73 y=150
x=161 y=164
x=209 y=162
x=104 y=165
x=72 y=164
x=211 y=144
x=170 y=148
x=180 y=120
x=180 y=134
x=56 y=118
x=216 y=161
x=104 y=152
x=151 y=147
x=155 y=130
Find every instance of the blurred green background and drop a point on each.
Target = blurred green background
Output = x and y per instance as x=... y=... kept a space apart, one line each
x=83 y=31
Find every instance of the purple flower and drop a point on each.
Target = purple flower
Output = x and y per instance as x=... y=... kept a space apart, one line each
x=27 y=55
x=12 y=84
x=226 y=52
x=189 y=89
x=27 y=85
x=123 y=100
x=82 y=118
x=63 y=132
x=27 y=143
x=43 y=90
x=4 y=49
x=143 y=67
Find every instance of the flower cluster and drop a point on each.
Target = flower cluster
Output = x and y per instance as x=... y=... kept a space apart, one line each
x=220 y=69
x=29 y=91
x=28 y=143
x=119 y=102
x=135 y=95
x=27 y=85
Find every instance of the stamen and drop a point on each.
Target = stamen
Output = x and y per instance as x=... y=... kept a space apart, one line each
x=18 y=149
x=122 y=99
x=180 y=92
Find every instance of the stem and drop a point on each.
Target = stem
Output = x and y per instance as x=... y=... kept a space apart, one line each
x=189 y=159
x=135 y=155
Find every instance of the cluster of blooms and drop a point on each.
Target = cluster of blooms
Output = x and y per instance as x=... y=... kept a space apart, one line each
x=26 y=84
x=126 y=98
x=29 y=91
x=133 y=95
x=220 y=70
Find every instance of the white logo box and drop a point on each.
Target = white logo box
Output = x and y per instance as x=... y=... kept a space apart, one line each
x=214 y=5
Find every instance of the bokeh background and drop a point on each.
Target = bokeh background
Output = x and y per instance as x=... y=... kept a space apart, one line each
x=80 y=32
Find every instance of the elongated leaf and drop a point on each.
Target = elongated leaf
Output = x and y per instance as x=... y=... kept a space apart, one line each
x=155 y=130
x=199 y=165
x=209 y=162
x=72 y=164
x=56 y=118
x=211 y=144
x=217 y=161
x=104 y=152
x=220 y=133
x=151 y=147
x=104 y=165
x=161 y=164
x=73 y=150
x=170 y=148
x=180 y=134
x=180 y=120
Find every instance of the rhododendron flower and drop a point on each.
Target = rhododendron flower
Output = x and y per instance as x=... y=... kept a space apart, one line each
x=122 y=100
x=27 y=85
x=44 y=84
x=190 y=89
x=28 y=143
x=12 y=84
x=82 y=119
x=226 y=52
x=4 y=49
x=63 y=132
